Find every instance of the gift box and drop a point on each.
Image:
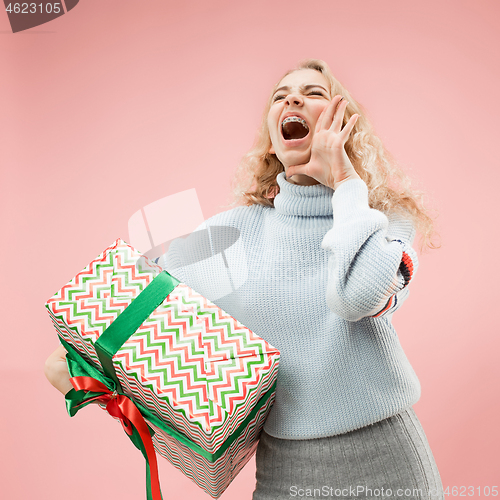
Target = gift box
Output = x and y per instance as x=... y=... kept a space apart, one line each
x=181 y=374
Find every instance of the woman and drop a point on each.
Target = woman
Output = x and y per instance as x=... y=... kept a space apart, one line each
x=325 y=239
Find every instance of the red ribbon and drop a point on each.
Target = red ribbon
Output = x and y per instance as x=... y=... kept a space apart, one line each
x=122 y=407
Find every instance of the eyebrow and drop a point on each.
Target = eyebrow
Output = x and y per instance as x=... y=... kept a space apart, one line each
x=302 y=87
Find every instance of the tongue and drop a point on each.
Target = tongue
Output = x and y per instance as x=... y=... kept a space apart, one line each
x=294 y=130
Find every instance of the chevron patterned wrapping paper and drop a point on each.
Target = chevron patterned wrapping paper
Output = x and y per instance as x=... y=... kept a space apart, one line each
x=193 y=366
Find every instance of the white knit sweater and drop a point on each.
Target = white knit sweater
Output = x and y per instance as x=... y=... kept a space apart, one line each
x=318 y=276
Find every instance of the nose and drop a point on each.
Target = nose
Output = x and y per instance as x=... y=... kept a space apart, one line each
x=294 y=99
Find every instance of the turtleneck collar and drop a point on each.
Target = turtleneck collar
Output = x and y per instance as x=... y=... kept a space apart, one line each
x=305 y=201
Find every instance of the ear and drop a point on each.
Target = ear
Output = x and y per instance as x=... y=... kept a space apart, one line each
x=271 y=150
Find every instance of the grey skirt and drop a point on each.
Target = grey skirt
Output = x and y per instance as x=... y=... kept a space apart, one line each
x=390 y=459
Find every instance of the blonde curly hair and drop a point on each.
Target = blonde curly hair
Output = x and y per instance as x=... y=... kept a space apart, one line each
x=388 y=186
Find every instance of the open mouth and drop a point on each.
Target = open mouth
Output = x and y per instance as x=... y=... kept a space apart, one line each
x=294 y=127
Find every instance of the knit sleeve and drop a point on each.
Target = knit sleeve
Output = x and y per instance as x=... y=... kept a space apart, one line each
x=371 y=261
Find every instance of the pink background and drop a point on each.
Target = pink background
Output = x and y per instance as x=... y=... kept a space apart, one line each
x=118 y=104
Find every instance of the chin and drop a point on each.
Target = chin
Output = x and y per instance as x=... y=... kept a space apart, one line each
x=296 y=158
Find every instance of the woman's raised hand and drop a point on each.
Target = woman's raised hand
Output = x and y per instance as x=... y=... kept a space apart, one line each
x=329 y=163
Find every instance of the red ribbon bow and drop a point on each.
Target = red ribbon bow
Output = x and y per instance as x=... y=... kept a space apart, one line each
x=122 y=407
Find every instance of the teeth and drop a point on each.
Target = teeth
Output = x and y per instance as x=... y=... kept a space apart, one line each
x=294 y=119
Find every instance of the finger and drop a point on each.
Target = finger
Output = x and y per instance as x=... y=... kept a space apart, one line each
x=319 y=123
x=295 y=169
x=344 y=135
x=339 y=116
x=330 y=110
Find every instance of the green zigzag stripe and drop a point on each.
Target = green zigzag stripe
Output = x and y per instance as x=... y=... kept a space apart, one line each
x=160 y=412
x=177 y=315
x=87 y=315
x=105 y=286
x=145 y=359
x=153 y=347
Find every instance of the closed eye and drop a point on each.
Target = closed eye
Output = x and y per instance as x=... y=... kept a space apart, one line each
x=313 y=92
